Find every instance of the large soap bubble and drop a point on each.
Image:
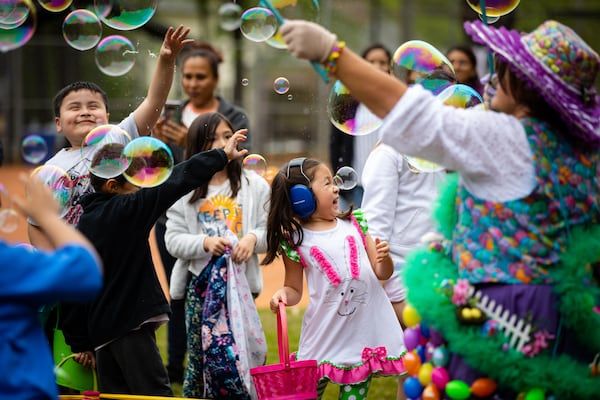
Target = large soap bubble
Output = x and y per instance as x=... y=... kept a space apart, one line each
x=125 y=15
x=55 y=5
x=82 y=29
x=115 y=55
x=419 y=62
x=110 y=163
x=460 y=96
x=347 y=114
x=258 y=24
x=13 y=13
x=150 y=161
x=59 y=183
x=19 y=28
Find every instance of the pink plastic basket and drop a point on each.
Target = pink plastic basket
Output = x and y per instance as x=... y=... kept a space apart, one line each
x=288 y=380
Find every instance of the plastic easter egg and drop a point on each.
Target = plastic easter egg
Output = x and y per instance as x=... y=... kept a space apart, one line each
x=412 y=363
x=535 y=394
x=412 y=338
x=410 y=316
x=412 y=387
x=440 y=357
x=435 y=337
x=425 y=374
x=431 y=392
x=483 y=387
x=421 y=352
x=424 y=329
x=439 y=377
x=458 y=390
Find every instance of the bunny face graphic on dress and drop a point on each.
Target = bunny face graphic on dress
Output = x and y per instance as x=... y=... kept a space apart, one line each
x=348 y=296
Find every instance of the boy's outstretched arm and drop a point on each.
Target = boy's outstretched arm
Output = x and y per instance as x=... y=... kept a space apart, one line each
x=149 y=111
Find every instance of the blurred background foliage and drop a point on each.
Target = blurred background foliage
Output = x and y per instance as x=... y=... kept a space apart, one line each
x=281 y=125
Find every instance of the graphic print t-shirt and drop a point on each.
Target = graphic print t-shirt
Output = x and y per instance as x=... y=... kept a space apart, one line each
x=220 y=212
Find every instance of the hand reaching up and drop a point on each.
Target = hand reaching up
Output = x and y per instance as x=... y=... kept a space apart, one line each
x=232 y=149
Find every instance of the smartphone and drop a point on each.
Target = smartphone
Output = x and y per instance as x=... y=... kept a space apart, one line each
x=172 y=111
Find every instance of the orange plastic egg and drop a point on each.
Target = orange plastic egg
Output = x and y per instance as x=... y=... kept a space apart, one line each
x=412 y=363
x=483 y=387
x=431 y=392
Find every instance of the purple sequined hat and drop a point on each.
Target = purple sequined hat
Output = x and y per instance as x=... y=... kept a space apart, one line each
x=556 y=61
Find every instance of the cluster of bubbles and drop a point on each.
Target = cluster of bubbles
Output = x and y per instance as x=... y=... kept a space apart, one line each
x=82 y=28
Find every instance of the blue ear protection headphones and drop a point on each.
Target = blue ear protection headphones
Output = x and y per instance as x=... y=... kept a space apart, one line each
x=302 y=198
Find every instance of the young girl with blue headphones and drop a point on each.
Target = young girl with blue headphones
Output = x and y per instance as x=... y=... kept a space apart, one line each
x=349 y=326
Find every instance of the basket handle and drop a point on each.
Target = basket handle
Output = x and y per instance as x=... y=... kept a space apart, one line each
x=282 y=336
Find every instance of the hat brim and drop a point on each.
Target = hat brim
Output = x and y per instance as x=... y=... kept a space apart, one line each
x=509 y=46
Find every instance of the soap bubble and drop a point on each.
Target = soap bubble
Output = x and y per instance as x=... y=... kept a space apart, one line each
x=18 y=32
x=13 y=13
x=230 y=16
x=59 y=183
x=82 y=29
x=255 y=163
x=55 y=5
x=460 y=96
x=493 y=8
x=150 y=161
x=419 y=62
x=111 y=163
x=346 y=178
x=281 y=85
x=343 y=111
x=125 y=15
x=34 y=149
x=115 y=55
x=258 y=24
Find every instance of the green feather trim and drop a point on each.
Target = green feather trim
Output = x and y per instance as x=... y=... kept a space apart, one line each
x=562 y=376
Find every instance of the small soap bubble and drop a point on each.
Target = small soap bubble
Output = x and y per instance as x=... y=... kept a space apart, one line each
x=82 y=29
x=281 y=85
x=460 y=96
x=150 y=161
x=290 y=97
x=493 y=8
x=255 y=163
x=346 y=178
x=258 y=24
x=59 y=183
x=230 y=16
x=125 y=15
x=9 y=219
x=111 y=161
x=115 y=55
x=342 y=109
x=419 y=62
x=245 y=82
x=34 y=149
x=20 y=29
x=55 y=5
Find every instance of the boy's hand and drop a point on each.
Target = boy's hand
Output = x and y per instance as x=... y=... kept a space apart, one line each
x=232 y=147
x=175 y=40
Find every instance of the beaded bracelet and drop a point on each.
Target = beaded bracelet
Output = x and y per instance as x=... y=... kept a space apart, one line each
x=331 y=63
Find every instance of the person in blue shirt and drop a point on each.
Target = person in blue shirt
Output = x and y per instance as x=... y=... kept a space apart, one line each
x=70 y=271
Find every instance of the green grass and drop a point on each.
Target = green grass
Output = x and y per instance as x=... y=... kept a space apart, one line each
x=381 y=388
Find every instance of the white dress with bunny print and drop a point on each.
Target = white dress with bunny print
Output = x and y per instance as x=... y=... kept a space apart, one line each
x=349 y=325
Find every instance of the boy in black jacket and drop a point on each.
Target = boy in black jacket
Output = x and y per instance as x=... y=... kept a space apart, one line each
x=120 y=324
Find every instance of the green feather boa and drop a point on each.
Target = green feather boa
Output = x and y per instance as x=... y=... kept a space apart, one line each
x=561 y=376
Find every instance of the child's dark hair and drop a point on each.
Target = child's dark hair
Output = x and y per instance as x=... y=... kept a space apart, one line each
x=282 y=223
x=111 y=151
x=201 y=135
x=524 y=94
x=74 y=87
